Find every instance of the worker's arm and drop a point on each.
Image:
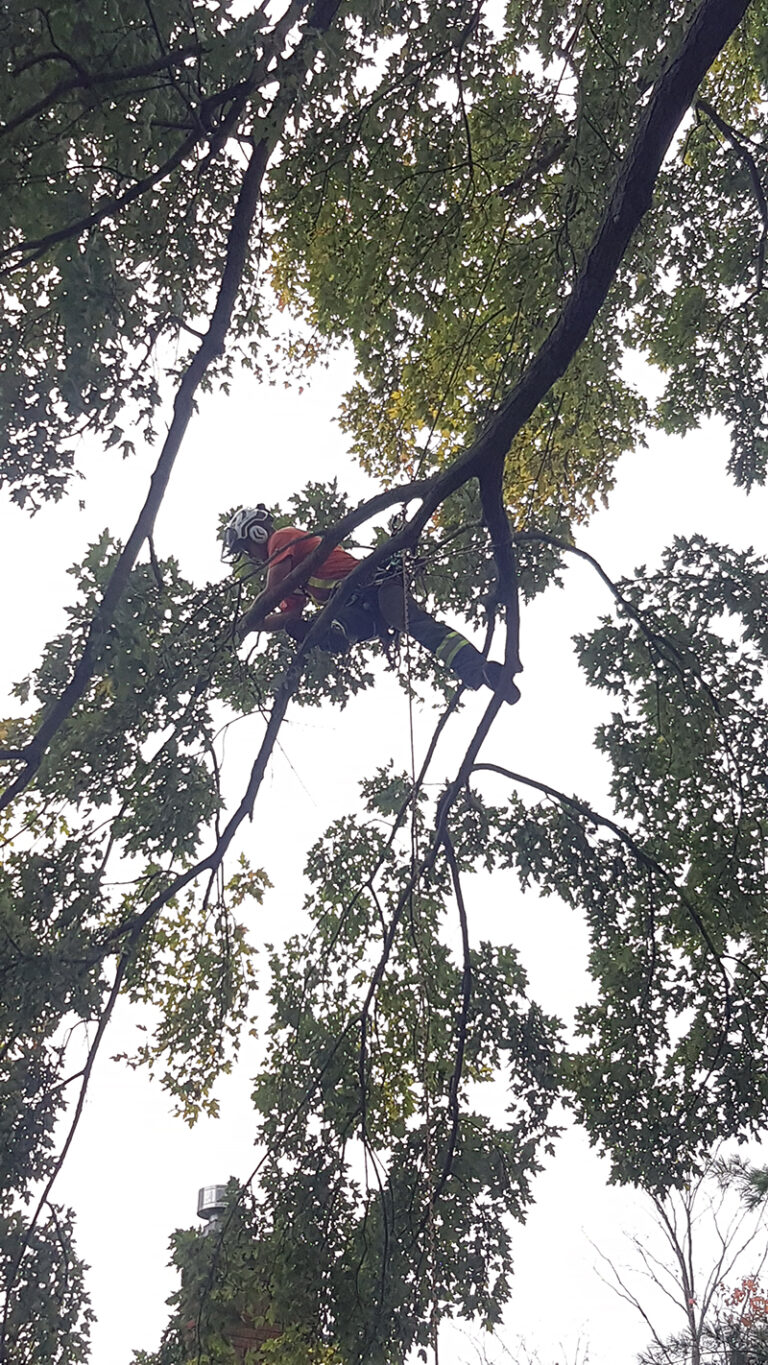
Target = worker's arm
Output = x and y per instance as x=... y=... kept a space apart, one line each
x=277 y=620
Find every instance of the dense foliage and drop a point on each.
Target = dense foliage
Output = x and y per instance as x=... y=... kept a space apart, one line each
x=464 y=197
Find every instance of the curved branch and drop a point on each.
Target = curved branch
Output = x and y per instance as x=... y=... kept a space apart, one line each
x=746 y=156
x=31 y=249
x=321 y=16
x=543 y=538
x=681 y=661
x=644 y=858
x=461 y=1027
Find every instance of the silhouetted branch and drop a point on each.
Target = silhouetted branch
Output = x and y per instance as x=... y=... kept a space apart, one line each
x=507 y=592
x=461 y=1024
x=641 y=855
x=746 y=156
x=92 y=80
x=210 y=348
x=106 y=1014
x=31 y=248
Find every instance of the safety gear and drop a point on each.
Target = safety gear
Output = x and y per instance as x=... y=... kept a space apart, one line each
x=249 y=526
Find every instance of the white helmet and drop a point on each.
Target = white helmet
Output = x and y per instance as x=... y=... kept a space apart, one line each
x=251 y=525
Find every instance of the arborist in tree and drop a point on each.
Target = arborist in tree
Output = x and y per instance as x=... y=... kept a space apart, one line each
x=375 y=611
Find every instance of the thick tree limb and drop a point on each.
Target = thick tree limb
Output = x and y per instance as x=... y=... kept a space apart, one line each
x=711 y=27
x=497 y=521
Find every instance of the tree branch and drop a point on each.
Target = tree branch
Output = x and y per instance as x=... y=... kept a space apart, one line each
x=87 y=80
x=746 y=156
x=30 y=249
x=711 y=26
x=681 y=662
x=534 y=168
x=461 y=1025
x=645 y=859
x=210 y=348
x=106 y=1015
x=215 y=135
x=497 y=521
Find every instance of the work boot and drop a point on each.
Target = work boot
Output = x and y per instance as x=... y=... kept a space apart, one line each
x=336 y=639
x=505 y=687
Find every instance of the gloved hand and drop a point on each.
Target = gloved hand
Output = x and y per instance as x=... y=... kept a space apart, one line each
x=244 y=627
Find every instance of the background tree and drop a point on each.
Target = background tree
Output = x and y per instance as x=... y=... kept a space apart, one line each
x=467 y=204
x=714 y=1250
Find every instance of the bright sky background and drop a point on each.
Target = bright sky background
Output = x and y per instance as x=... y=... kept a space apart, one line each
x=133 y=1173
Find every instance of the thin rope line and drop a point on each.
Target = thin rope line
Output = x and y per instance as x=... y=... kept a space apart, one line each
x=426 y=1021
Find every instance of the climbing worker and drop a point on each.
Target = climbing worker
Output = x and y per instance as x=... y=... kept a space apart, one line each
x=375 y=610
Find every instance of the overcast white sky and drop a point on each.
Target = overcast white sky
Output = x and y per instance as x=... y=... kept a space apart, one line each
x=133 y=1173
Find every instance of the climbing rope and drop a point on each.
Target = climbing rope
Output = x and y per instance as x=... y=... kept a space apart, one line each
x=406 y=568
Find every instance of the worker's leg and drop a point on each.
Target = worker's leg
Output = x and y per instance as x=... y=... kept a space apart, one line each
x=355 y=622
x=447 y=645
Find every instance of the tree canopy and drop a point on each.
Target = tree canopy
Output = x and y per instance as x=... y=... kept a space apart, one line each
x=495 y=209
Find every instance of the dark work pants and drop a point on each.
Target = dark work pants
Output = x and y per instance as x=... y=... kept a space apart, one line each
x=386 y=605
